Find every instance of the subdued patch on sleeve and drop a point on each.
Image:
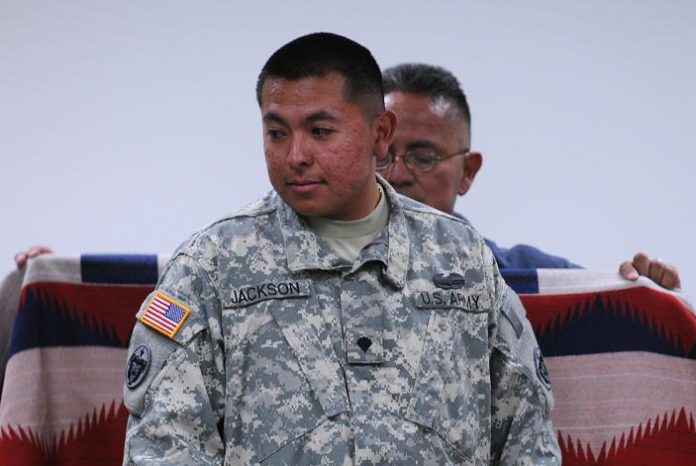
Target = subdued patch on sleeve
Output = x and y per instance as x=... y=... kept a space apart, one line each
x=510 y=313
x=516 y=339
x=147 y=355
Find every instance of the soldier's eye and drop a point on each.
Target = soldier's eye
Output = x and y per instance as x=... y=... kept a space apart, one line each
x=322 y=132
x=274 y=134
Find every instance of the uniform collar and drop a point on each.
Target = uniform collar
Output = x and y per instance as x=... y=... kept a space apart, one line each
x=305 y=252
x=398 y=254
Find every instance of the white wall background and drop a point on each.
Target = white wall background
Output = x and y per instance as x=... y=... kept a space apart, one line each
x=126 y=125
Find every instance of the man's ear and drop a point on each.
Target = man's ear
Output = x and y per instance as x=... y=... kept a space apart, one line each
x=385 y=126
x=472 y=164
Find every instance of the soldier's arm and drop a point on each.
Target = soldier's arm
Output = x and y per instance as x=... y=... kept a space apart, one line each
x=521 y=398
x=175 y=379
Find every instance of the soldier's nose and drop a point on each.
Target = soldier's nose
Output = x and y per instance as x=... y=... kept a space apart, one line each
x=298 y=154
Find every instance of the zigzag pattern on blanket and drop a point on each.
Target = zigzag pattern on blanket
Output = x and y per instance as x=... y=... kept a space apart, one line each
x=642 y=446
x=635 y=319
x=622 y=359
x=95 y=439
x=66 y=314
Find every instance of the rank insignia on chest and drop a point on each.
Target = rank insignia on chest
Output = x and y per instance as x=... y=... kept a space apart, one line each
x=165 y=314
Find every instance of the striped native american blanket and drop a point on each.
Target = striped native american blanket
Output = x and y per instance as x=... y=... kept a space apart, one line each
x=621 y=357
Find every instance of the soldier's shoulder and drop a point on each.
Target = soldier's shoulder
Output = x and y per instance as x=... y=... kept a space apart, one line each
x=425 y=216
x=241 y=222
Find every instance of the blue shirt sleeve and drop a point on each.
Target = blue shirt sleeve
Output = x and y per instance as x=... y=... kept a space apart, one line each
x=522 y=256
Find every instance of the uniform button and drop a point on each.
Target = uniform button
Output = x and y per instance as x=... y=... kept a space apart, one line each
x=364 y=343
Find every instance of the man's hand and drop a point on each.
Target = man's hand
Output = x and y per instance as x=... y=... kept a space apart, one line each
x=22 y=257
x=665 y=275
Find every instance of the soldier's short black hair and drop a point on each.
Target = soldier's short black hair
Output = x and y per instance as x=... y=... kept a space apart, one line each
x=322 y=53
x=428 y=80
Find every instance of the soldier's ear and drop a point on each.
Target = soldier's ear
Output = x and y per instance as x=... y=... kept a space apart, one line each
x=385 y=128
x=472 y=164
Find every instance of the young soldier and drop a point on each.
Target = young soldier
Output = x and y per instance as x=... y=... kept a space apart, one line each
x=334 y=322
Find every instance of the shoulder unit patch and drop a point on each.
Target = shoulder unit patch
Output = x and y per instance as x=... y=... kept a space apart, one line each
x=138 y=364
x=165 y=314
x=542 y=371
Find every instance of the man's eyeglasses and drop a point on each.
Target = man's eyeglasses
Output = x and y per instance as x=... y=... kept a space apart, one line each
x=421 y=160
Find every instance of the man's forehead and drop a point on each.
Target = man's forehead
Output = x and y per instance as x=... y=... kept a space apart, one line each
x=406 y=101
x=309 y=87
x=422 y=118
x=311 y=99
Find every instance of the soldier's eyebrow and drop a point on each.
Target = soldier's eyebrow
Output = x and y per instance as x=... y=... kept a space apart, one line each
x=321 y=115
x=272 y=117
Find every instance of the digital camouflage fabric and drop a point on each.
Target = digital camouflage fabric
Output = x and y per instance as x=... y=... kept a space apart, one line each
x=418 y=353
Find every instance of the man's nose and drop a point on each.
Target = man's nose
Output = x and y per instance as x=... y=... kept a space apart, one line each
x=399 y=174
x=299 y=154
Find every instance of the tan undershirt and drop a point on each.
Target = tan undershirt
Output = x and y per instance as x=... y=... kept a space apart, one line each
x=348 y=238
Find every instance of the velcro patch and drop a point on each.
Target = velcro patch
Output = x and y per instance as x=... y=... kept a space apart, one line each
x=470 y=302
x=165 y=314
x=449 y=282
x=251 y=294
x=514 y=320
x=541 y=370
x=138 y=365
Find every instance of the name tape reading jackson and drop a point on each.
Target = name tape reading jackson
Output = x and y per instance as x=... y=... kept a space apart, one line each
x=251 y=294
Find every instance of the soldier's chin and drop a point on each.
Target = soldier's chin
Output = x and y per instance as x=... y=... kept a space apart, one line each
x=306 y=209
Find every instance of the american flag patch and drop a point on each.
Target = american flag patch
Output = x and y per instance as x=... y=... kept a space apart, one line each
x=164 y=314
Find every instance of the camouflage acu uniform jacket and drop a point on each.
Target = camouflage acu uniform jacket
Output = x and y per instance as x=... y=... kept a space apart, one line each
x=272 y=350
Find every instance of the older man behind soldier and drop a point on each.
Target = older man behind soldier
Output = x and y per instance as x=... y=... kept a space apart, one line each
x=378 y=331
x=434 y=137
